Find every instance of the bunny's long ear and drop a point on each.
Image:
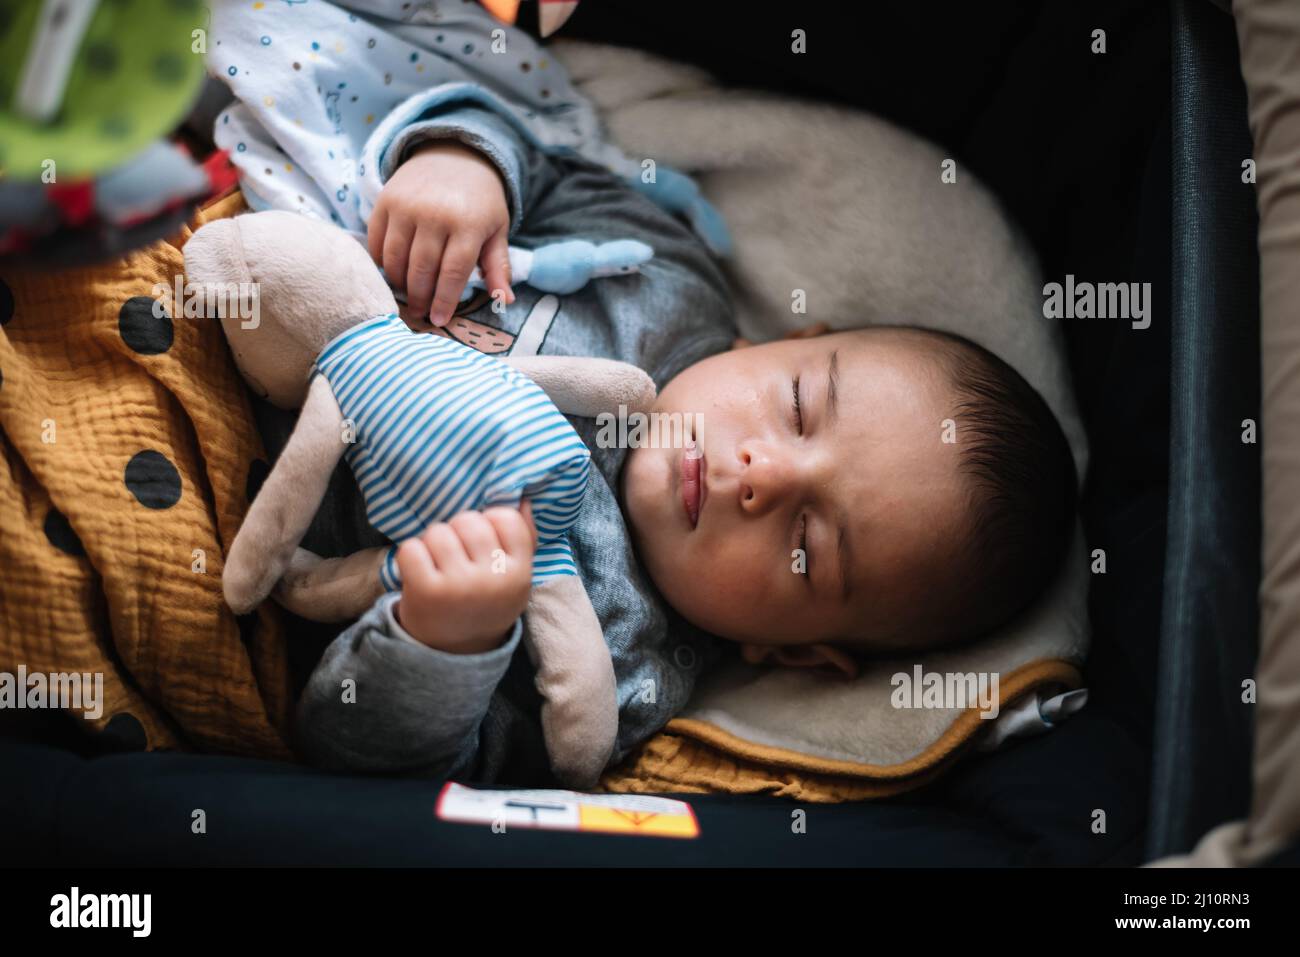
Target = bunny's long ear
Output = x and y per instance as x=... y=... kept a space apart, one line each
x=286 y=503
x=587 y=387
x=575 y=676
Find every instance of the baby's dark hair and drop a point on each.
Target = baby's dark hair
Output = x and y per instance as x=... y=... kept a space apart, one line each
x=1022 y=481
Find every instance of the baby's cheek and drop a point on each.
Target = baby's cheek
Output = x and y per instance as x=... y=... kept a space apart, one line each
x=738 y=573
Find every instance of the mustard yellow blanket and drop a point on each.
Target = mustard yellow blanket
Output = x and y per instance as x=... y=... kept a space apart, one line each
x=127 y=456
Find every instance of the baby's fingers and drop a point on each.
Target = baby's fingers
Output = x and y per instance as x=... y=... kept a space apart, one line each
x=397 y=250
x=422 y=271
x=477 y=535
x=453 y=272
x=375 y=230
x=445 y=548
x=495 y=263
x=415 y=565
x=526 y=513
x=515 y=529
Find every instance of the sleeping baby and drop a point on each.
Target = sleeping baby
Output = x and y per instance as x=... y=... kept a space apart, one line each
x=873 y=491
x=878 y=490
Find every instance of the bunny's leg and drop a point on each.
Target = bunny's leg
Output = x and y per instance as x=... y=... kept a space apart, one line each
x=287 y=501
x=575 y=676
x=331 y=589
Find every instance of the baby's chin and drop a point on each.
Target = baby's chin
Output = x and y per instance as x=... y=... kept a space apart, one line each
x=642 y=482
x=645 y=486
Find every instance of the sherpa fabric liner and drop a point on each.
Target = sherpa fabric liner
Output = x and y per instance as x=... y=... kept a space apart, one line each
x=95 y=561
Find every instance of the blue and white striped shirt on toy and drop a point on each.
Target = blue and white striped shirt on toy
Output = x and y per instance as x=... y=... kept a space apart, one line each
x=440 y=428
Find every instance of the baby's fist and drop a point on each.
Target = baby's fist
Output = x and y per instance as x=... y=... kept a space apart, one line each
x=464 y=582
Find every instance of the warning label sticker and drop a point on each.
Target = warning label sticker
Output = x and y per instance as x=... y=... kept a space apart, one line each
x=568 y=811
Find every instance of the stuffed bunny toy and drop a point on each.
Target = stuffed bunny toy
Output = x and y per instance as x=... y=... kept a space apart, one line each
x=430 y=427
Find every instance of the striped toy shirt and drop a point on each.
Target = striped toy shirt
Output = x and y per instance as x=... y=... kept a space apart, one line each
x=438 y=428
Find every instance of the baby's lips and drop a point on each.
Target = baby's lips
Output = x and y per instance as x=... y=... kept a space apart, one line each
x=691 y=481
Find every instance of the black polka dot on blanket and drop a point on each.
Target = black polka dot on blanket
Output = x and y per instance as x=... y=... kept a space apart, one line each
x=153 y=480
x=6 y=303
x=257 y=473
x=124 y=732
x=143 y=331
x=59 y=531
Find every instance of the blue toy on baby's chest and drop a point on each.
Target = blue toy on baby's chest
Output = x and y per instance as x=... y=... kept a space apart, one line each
x=436 y=428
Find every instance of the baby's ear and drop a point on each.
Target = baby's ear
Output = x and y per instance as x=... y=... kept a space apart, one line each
x=819 y=655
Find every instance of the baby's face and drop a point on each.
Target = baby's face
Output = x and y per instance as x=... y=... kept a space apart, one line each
x=859 y=482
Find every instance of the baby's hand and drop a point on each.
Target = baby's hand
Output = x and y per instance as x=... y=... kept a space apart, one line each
x=442 y=211
x=464 y=582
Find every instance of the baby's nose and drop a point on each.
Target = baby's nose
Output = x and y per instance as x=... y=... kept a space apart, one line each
x=767 y=478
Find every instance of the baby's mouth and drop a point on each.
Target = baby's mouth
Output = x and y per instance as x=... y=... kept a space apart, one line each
x=692 y=468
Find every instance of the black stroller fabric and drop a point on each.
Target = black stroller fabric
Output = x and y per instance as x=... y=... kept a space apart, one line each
x=1210 y=627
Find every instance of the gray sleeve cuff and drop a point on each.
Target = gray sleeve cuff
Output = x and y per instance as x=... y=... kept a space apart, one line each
x=478 y=129
x=381 y=700
x=494 y=661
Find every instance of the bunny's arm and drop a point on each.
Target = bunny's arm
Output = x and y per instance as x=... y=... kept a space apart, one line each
x=286 y=503
x=584 y=386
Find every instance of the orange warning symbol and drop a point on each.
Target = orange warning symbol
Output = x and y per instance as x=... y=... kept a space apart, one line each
x=611 y=820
